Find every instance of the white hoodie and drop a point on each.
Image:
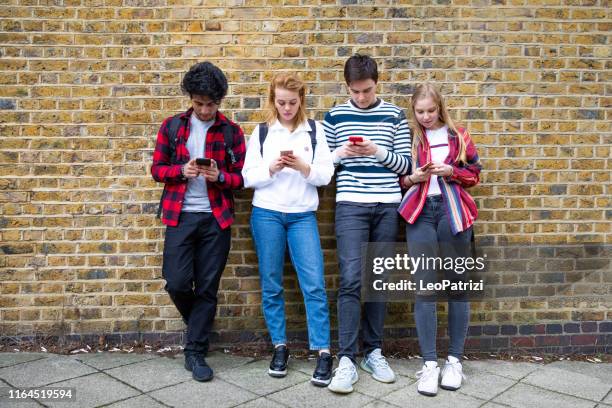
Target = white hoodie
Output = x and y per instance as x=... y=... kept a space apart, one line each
x=287 y=190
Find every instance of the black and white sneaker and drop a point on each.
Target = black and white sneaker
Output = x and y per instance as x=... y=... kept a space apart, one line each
x=323 y=372
x=278 y=365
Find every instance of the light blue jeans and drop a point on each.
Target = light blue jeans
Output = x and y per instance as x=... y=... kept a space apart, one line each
x=272 y=231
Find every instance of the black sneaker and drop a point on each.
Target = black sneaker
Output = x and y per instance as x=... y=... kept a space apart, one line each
x=198 y=367
x=323 y=372
x=278 y=365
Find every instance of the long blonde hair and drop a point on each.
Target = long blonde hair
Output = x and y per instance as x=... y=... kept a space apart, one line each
x=428 y=90
x=291 y=82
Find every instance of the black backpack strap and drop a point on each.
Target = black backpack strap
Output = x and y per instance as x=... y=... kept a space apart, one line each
x=173 y=127
x=313 y=136
x=228 y=138
x=263 y=132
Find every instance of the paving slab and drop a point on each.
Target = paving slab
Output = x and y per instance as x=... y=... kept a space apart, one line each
x=215 y=394
x=93 y=391
x=262 y=402
x=152 y=374
x=379 y=404
x=376 y=389
x=409 y=397
x=599 y=370
x=608 y=399
x=6 y=402
x=220 y=362
x=569 y=382
x=485 y=385
x=305 y=366
x=527 y=396
x=509 y=369
x=407 y=367
x=254 y=377
x=108 y=360
x=141 y=401
x=9 y=359
x=44 y=371
x=306 y=395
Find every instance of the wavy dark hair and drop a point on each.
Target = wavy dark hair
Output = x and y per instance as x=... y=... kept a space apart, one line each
x=205 y=79
x=360 y=67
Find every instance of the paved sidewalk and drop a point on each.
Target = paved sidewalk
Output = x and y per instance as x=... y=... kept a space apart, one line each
x=148 y=380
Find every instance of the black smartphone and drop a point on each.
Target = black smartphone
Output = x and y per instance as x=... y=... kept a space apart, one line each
x=203 y=162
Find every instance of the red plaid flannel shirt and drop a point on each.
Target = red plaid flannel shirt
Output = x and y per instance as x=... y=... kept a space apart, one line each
x=219 y=194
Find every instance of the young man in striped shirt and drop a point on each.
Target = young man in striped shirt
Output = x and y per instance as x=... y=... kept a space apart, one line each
x=367 y=197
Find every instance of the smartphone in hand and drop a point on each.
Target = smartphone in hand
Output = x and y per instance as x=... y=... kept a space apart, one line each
x=427 y=166
x=355 y=139
x=203 y=162
x=286 y=153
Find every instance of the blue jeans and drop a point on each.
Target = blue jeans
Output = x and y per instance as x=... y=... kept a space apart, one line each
x=356 y=225
x=431 y=236
x=272 y=231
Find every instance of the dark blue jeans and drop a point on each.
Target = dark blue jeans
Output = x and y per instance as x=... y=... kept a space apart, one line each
x=431 y=236
x=355 y=225
x=195 y=253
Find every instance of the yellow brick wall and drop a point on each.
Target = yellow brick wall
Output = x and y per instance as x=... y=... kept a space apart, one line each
x=84 y=85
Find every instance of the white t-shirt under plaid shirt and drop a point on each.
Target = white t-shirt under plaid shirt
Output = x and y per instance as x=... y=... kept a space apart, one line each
x=438 y=143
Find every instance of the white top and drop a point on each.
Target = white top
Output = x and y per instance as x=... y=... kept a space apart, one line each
x=196 y=196
x=287 y=190
x=438 y=143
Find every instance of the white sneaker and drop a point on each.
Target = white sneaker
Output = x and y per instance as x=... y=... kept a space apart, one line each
x=452 y=374
x=376 y=364
x=428 y=379
x=344 y=377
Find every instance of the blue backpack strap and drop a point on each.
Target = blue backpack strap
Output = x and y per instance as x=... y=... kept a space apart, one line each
x=263 y=133
x=313 y=136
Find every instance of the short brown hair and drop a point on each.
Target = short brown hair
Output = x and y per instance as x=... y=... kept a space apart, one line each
x=360 y=67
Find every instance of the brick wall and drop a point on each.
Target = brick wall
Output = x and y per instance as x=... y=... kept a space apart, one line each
x=84 y=85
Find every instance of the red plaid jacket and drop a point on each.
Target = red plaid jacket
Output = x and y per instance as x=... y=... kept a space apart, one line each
x=220 y=195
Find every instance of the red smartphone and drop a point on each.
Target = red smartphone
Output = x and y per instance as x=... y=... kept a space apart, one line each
x=428 y=165
x=355 y=139
x=203 y=162
x=286 y=153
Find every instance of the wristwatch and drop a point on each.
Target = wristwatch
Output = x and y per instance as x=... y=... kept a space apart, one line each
x=221 y=178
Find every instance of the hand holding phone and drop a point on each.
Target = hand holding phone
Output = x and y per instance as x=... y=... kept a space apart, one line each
x=426 y=166
x=286 y=153
x=203 y=162
x=355 y=139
